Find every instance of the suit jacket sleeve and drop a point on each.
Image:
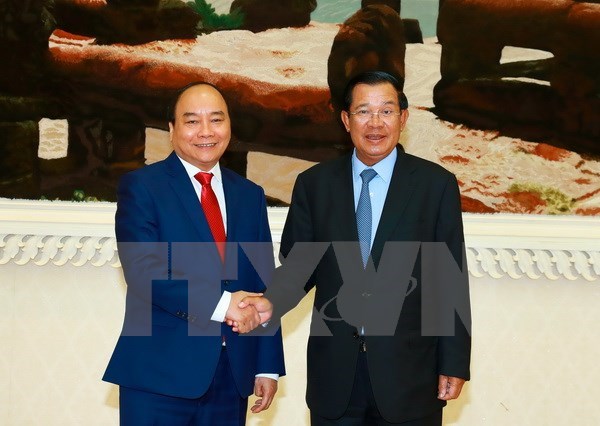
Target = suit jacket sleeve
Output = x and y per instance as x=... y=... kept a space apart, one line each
x=270 y=349
x=455 y=350
x=145 y=250
x=292 y=280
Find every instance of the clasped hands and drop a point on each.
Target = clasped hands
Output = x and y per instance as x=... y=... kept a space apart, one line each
x=247 y=311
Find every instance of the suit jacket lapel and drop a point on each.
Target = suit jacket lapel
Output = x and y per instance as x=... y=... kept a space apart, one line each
x=231 y=202
x=183 y=188
x=398 y=196
x=344 y=211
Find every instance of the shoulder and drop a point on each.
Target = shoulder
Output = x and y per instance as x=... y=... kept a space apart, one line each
x=239 y=182
x=148 y=179
x=327 y=169
x=152 y=177
x=148 y=173
x=424 y=167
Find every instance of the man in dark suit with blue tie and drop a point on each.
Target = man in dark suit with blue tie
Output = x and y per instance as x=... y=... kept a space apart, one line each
x=378 y=233
x=187 y=231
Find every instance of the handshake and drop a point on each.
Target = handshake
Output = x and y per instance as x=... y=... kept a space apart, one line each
x=247 y=311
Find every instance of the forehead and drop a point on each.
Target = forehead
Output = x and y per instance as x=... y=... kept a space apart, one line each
x=201 y=98
x=374 y=94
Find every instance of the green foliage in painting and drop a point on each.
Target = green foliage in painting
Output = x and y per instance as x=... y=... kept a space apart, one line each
x=211 y=21
x=78 y=195
x=557 y=201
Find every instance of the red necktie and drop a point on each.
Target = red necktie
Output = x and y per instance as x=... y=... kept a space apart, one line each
x=210 y=205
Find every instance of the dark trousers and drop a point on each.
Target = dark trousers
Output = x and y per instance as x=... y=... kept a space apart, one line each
x=362 y=409
x=220 y=405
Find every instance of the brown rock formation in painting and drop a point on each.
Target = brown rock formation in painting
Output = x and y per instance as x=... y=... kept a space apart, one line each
x=472 y=205
x=372 y=38
x=19 y=173
x=116 y=91
x=556 y=99
x=412 y=29
x=260 y=15
x=394 y=4
x=145 y=3
x=140 y=80
x=125 y=21
x=24 y=31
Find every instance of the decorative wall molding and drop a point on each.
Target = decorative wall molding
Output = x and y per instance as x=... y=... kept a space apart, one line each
x=498 y=245
x=533 y=264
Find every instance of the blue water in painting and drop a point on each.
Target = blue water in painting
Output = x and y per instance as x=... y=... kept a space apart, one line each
x=337 y=11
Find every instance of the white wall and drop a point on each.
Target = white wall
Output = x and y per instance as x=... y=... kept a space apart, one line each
x=535 y=356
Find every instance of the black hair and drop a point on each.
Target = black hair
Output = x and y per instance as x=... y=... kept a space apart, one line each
x=173 y=104
x=372 y=78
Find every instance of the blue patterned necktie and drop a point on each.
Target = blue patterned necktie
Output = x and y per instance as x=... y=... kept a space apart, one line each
x=364 y=215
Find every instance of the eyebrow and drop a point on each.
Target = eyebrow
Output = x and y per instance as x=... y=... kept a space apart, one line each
x=366 y=104
x=193 y=114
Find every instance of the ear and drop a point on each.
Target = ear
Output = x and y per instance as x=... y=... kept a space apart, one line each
x=403 y=118
x=170 y=131
x=346 y=120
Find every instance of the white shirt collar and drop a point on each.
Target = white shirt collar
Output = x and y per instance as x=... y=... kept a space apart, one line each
x=193 y=170
x=384 y=167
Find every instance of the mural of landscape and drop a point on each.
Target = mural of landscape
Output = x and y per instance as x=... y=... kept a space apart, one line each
x=504 y=94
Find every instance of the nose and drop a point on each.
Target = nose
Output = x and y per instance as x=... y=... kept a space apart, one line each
x=375 y=118
x=204 y=128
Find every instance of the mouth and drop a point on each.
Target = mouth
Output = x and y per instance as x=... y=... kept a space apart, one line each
x=374 y=137
x=204 y=145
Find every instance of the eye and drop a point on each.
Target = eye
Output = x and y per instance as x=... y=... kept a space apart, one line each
x=217 y=120
x=387 y=112
x=191 y=122
x=361 y=113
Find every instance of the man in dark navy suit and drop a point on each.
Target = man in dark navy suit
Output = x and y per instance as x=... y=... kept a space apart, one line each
x=187 y=231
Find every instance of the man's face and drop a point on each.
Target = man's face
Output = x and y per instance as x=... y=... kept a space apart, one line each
x=374 y=135
x=202 y=129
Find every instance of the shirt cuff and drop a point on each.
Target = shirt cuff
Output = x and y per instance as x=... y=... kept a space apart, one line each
x=221 y=309
x=269 y=376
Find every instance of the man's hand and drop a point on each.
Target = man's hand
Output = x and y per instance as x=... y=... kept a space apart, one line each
x=264 y=388
x=449 y=387
x=257 y=303
x=245 y=320
x=261 y=304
